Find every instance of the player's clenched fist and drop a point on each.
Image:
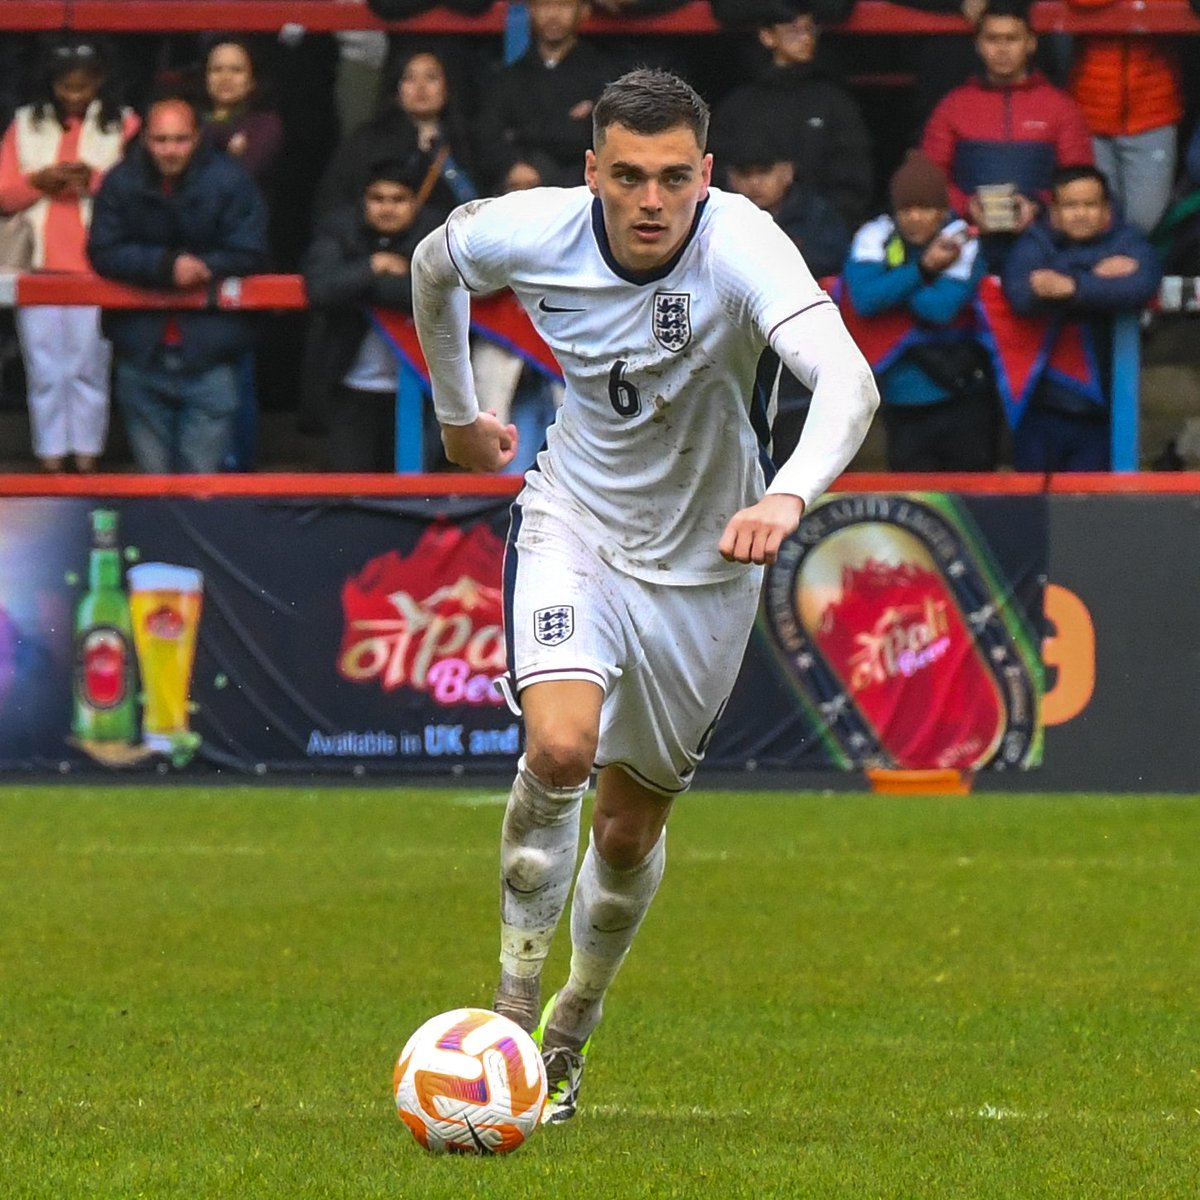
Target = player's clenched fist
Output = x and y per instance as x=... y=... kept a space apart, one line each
x=487 y=444
x=755 y=534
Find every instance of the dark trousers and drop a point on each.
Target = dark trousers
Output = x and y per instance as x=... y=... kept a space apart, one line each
x=362 y=431
x=959 y=434
x=1049 y=440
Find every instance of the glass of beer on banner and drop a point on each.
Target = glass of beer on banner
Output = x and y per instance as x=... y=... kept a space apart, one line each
x=165 y=604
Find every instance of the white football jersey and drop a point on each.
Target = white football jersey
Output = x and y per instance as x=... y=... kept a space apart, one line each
x=660 y=438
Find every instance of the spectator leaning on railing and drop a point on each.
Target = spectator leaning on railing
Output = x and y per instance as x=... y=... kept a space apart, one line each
x=921 y=267
x=1079 y=265
x=175 y=213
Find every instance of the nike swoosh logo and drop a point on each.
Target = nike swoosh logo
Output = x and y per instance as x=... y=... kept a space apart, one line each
x=551 y=308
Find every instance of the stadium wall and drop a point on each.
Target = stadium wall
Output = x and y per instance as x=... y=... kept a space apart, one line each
x=1038 y=630
x=695 y=18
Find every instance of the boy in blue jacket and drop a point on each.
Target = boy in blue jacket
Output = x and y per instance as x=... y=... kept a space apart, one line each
x=918 y=270
x=1077 y=264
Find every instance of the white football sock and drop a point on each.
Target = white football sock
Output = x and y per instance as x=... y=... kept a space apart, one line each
x=538 y=847
x=605 y=915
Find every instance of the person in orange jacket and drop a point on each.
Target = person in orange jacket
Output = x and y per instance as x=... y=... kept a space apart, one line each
x=1128 y=86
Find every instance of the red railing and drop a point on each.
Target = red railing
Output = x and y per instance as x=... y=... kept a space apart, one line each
x=1168 y=483
x=257 y=292
x=324 y=16
x=252 y=292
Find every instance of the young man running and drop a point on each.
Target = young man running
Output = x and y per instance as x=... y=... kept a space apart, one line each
x=636 y=548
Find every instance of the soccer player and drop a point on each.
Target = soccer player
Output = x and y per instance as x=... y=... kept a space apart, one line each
x=635 y=553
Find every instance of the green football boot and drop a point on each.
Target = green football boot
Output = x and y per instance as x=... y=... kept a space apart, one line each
x=564 y=1071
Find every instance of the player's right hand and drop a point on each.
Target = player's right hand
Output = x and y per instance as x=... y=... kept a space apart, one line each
x=484 y=445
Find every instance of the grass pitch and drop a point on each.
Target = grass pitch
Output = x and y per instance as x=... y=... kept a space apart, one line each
x=202 y=993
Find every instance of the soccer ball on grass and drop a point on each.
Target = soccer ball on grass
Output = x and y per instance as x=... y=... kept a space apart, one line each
x=470 y=1081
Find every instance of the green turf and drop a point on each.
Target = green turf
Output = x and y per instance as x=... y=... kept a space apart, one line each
x=202 y=993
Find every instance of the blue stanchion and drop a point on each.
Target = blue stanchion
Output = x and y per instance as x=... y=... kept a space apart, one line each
x=1126 y=368
x=516 y=32
x=410 y=407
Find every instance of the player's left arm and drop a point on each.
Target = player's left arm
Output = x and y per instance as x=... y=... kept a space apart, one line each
x=766 y=281
x=816 y=347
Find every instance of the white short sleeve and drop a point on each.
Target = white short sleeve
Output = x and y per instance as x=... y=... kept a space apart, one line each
x=478 y=236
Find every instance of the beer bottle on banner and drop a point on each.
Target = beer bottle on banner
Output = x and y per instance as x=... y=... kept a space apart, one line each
x=105 y=697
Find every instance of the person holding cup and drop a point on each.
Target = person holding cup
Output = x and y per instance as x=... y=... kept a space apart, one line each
x=1000 y=136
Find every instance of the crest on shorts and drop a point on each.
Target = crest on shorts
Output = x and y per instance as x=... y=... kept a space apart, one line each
x=554 y=625
x=673 y=319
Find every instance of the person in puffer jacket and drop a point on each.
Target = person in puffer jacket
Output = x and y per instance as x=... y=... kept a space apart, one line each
x=1009 y=127
x=1080 y=265
x=1129 y=88
x=940 y=409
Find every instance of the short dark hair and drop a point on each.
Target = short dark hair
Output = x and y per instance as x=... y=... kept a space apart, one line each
x=1017 y=9
x=407 y=172
x=647 y=101
x=1074 y=172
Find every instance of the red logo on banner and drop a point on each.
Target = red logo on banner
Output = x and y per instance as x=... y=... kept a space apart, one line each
x=912 y=666
x=429 y=622
x=165 y=622
x=104 y=652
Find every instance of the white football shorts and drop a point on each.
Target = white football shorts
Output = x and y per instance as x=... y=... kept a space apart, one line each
x=665 y=657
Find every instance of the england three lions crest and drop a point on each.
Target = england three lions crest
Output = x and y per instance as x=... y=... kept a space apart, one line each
x=554 y=625
x=673 y=319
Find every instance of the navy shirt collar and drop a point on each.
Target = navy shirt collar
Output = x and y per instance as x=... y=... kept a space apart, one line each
x=640 y=277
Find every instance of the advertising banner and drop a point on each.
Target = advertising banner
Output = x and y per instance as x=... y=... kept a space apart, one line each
x=362 y=637
x=182 y=635
x=1122 y=644
x=898 y=631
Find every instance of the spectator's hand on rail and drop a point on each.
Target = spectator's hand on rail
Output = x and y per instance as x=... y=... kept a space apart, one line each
x=190 y=271
x=485 y=445
x=1115 y=266
x=1051 y=285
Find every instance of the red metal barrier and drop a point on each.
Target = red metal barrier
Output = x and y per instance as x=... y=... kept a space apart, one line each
x=1173 y=483
x=324 y=16
x=64 y=288
x=287 y=292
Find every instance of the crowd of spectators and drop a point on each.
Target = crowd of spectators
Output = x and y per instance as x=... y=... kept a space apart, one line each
x=1069 y=169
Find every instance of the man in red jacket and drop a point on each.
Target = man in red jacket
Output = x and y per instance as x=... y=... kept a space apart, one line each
x=1000 y=137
